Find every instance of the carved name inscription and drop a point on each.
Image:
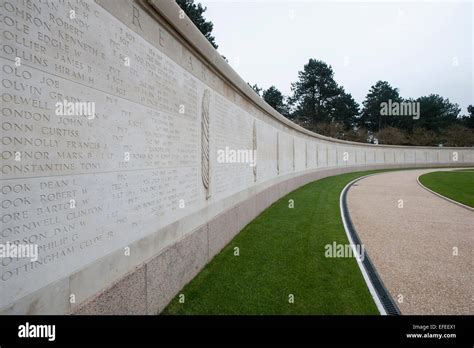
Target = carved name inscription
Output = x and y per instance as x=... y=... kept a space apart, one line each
x=105 y=139
x=81 y=186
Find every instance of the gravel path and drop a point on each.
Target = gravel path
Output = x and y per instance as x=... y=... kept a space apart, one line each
x=412 y=247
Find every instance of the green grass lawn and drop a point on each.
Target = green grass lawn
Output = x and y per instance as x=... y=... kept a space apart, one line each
x=464 y=170
x=456 y=185
x=282 y=253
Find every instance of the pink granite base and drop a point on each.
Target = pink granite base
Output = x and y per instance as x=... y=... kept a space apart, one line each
x=151 y=286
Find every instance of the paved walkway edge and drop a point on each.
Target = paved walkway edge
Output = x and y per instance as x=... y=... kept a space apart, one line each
x=441 y=196
x=382 y=298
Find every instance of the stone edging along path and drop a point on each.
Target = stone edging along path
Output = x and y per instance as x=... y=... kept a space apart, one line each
x=420 y=245
x=382 y=298
x=443 y=197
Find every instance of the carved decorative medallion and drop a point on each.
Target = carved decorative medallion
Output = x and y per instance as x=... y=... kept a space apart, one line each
x=205 y=159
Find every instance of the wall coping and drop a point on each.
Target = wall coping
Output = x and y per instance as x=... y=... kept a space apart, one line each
x=169 y=11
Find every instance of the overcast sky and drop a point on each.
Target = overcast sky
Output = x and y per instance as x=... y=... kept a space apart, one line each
x=418 y=47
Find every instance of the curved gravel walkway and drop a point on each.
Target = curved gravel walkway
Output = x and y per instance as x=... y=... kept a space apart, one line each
x=412 y=237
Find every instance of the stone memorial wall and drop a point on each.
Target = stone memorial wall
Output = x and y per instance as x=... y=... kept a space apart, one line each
x=131 y=153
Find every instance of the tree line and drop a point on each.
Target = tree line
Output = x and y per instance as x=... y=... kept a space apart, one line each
x=321 y=105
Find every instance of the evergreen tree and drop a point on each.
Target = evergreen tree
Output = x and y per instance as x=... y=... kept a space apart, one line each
x=195 y=14
x=344 y=109
x=371 y=117
x=468 y=120
x=437 y=113
x=257 y=89
x=314 y=91
x=276 y=100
